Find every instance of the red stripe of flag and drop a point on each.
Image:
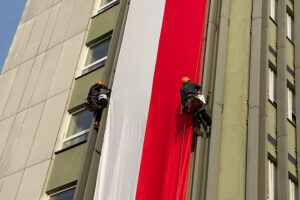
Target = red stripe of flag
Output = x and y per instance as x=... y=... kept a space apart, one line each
x=165 y=158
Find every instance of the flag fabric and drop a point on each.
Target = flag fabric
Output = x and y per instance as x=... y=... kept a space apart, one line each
x=147 y=142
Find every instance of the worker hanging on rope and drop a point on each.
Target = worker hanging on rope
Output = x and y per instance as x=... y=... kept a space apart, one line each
x=194 y=103
x=97 y=100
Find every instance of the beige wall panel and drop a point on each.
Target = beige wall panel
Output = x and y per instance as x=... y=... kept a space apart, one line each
x=49 y=28
x=34 y=75
x=67 y=64
x=6 y=82
x=291 y=131
x=25 y=12
x=10 y=186
x=11 y=143
x=17 y=89
x=272 y=120
x=35 y=7
x=46 y=75
x=36 y=35
x=47 y=132
x=62 y=23
x=26 y=138
x=5 y=127
x=80 y=17
x=22 y=43
x=33 y=181
x=13 y=48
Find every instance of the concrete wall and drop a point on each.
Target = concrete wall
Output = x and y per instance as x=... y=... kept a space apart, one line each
x=35 y=85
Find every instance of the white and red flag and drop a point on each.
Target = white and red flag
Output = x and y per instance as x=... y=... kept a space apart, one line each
x=147 y=142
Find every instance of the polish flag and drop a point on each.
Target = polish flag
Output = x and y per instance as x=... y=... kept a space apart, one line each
x=147 y=143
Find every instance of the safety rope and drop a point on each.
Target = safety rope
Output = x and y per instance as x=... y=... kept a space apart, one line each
x=180 y=160
x=184 y=125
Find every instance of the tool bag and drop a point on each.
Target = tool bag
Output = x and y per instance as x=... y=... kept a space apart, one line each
x=193 y=104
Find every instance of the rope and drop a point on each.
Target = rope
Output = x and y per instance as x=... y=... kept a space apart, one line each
x=181 y=157
x=184 y=125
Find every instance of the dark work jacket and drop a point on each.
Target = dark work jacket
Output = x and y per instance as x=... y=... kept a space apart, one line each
x=97 y=89
x=188 y=88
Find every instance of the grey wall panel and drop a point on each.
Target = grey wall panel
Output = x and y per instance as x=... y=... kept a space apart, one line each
x=36 y=35
x=26 y=138
x=34 y=75
x=5 y=127
x=22 y=43
x=67 y=64
x=49 y=28
x=10 y=186
x=11 y=143
x=6 y=81
x=32 y=182
x=46 y=75
x=17 y=89
x=62 y=23
x=35 y=7
x=80 y=17
x=47 y=132
x=13 y=48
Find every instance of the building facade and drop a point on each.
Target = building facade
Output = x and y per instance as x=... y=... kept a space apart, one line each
x=48 y=145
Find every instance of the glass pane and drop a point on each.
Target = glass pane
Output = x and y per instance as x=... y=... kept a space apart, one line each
x=79 y=122
x=104 y=2
x=76 y=140
x=66 y=195
x=98 y=51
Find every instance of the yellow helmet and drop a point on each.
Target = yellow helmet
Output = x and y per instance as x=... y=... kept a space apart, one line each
x=185 y=79
x=99 y=82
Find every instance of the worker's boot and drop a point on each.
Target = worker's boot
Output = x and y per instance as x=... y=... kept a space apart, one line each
x=96 y=125
x=198 y=131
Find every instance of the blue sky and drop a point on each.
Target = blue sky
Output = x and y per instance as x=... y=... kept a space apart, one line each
x=10 y=15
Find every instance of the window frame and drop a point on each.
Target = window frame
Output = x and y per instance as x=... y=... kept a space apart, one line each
x=291 y=113
x=61 y=191
x=272 y=176
x=273 y=10
x=104 y=7
x=272 y=86
x=78 y=134
x=85 y=68
x=290 y=27
x=293 y=190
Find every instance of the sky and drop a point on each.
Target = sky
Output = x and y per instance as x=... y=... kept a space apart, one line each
x=10 y=15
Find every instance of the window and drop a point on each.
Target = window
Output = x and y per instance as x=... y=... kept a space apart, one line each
x=291 y=105
x=293 y=190
x=97 y=54
x=106 y=3
x=78 y=129
x=65 y=195
x=273 y=10
x=272 y=86
x=290 y=27
x=272 y=181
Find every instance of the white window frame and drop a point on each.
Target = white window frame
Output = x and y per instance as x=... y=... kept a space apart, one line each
x=272 y=181
x=106 y=5
x=273 y=9
x=61 y=191
x=290 y=99
x=272 y=78
x=293 y=190
x=289 y=27
x=85 y=67
x=65 y=139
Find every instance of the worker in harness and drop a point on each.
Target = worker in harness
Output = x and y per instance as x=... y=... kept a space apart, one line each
x=194 y=103
x=97 y=100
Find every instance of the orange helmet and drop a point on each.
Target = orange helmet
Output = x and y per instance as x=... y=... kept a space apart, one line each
x=185 y=79
x=99 y=82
